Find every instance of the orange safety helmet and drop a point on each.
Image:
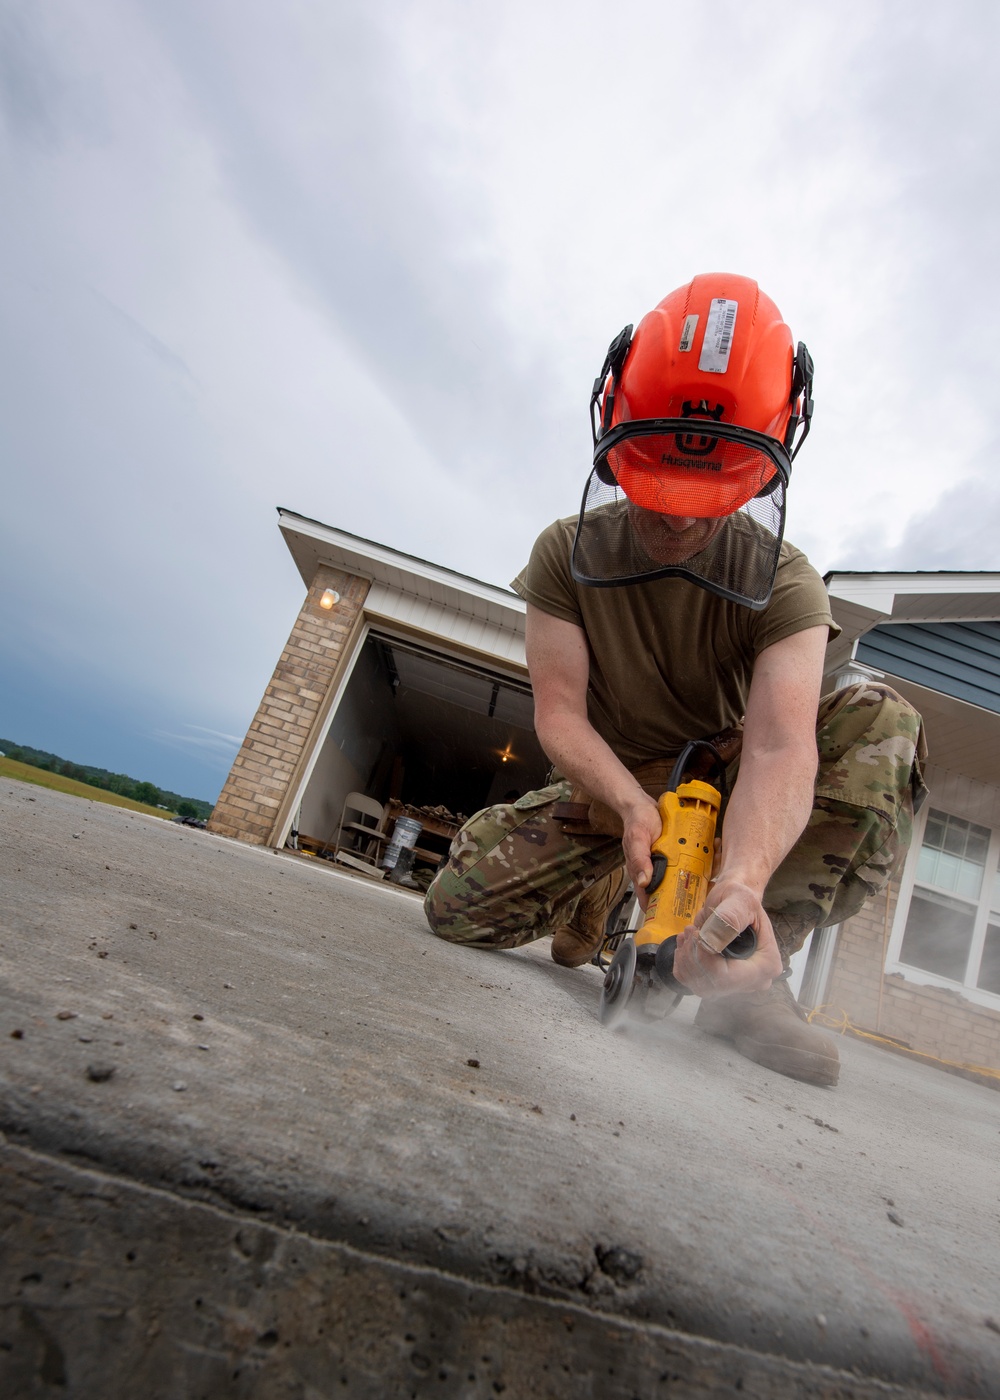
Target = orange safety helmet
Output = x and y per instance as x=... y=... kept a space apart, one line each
x=715 y=352
x=696 y=415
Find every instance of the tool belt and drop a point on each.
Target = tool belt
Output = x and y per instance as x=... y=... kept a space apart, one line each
x=583 y=815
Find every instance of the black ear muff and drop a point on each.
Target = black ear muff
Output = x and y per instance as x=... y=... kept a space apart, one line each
x=604 y=473
x=801 y=393
x=613 y=361
x=802 y=371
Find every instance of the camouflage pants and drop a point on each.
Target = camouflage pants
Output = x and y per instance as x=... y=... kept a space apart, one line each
x=513 y=874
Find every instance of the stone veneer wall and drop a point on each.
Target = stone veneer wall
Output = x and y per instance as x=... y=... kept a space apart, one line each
x=273 y=753
x=935 y=1020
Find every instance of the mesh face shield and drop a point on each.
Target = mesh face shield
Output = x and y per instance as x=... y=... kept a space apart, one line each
x=728 y=481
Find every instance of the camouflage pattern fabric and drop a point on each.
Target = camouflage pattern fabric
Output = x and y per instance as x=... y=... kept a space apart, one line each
x=871 y=750
x=513 y=874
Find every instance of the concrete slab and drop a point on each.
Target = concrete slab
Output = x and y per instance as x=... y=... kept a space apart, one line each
x=206 y=1027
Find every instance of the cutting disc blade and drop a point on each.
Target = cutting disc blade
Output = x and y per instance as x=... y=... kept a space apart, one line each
x=619 y=981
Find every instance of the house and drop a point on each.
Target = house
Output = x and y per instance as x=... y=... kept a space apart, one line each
x=922 y=963
x=407 y=681
x=400 y=679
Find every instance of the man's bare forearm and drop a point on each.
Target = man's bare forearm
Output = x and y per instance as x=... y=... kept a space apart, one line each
x=579 y=752
x=768 y=812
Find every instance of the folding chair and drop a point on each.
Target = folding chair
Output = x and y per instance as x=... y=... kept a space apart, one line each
x=359 y=841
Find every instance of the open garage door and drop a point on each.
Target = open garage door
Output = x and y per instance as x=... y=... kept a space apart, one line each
x=427 y=730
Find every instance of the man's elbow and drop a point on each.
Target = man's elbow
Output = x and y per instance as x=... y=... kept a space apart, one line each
x=548 y=727
x=805 y=766
x=794 y=760
x=554 y=724
x=802 y=764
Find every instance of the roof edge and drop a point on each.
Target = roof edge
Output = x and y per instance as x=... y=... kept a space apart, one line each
x=377 y=560
x=915 y=576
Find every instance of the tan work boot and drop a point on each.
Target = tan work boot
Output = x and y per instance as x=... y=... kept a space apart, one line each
x=771 y=1029
x=576 y=942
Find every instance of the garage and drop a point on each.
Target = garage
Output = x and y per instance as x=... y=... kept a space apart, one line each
x=401 y=681
x=425 y=730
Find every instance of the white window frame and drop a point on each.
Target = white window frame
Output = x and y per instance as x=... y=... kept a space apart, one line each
x=967 y=989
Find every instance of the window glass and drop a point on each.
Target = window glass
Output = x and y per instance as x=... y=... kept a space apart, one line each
x=927 y=867
x=938 y=934
x=954 y=839
x=953 y=855
x=977 y=845
x=989 y=968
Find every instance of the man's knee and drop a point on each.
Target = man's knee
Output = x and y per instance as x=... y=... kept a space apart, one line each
x=871 y=748
x=848 y=715
x=478 y=897
x=514 y=874
x=452 y=915
x=457 y=904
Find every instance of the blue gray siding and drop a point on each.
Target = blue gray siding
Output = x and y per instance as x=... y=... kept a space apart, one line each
x=961 y=659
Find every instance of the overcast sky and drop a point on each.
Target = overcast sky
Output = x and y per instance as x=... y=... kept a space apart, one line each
x=364 y=260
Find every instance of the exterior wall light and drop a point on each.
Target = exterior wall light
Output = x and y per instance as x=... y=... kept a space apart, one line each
x=329 y=598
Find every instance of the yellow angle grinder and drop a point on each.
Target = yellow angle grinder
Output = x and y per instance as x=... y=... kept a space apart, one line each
x=640 y=976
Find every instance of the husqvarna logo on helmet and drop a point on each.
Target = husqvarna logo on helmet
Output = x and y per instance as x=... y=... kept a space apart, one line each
x=697 y=444
x=668 y=459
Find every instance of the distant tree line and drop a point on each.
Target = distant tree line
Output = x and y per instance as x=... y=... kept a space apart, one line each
x=111 y=782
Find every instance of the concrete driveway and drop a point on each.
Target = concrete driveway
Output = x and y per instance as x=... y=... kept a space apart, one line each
x=266 y=1135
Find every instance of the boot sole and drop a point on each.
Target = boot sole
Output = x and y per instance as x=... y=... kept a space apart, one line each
x=810 y=1066
x=576 y=960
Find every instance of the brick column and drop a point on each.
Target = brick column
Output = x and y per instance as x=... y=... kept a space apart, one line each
x=281 y=735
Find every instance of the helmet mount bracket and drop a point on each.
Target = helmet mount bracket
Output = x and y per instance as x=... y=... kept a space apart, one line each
x=802 y=383
x=613 y=362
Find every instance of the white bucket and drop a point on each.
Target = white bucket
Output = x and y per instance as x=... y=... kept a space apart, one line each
x=404 y=837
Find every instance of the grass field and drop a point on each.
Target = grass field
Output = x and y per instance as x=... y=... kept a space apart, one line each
x=41 y=777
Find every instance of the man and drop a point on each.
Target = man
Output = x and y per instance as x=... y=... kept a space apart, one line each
x=669 y=610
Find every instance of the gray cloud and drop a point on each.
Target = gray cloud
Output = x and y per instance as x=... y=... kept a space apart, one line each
x=353 y=212
x=960 y=531
x=29 y=86
x=364 y=262
x=149 y=342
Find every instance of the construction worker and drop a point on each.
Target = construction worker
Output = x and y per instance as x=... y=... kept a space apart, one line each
x=670 y=609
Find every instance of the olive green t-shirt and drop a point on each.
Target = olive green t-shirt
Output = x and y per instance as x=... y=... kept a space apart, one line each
x=669 y=661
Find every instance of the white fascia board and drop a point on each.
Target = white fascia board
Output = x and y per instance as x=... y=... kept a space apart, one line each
x=312 y=543
x=860 y=602
x=871 y=594
x=879 y=591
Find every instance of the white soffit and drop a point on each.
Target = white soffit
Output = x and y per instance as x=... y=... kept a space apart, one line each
x=312 y=544
x=962 y=738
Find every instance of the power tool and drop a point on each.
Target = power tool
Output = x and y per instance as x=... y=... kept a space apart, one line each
x=639 y=978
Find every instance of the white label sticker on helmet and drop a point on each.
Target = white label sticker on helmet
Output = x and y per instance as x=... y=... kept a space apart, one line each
x=687 y=334
x=718 y=336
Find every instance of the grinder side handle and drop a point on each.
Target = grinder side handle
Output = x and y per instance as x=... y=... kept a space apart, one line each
x=741 y=947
